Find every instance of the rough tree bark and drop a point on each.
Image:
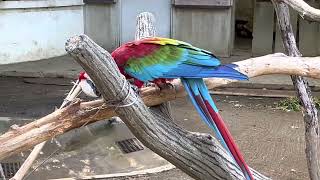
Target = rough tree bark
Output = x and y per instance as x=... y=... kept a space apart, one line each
x=198 y=155
x=310 y=112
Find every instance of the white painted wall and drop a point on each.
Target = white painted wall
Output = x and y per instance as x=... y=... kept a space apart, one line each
x=34 y=30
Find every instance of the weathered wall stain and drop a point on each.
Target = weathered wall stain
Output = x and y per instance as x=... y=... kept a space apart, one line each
x=37 y=33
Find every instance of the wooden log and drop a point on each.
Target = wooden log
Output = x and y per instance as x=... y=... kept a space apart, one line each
x=310 y=112
x=25 y=137
x=198 y=155
x=75 y=115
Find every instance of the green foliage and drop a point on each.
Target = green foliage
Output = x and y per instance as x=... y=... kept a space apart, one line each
x=289 y=104
x=292 y=104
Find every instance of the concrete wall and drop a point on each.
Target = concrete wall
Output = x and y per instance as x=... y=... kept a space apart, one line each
x=210 y=29
x=101 y=22
x=111 y=23
x=33 y=30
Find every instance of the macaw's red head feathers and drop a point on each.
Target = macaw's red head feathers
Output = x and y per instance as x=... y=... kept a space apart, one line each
x=83 y=75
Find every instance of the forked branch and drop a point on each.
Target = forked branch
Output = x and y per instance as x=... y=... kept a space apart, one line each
x=310 y=113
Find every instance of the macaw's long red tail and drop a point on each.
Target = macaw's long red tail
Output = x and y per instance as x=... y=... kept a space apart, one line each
x=206 y=108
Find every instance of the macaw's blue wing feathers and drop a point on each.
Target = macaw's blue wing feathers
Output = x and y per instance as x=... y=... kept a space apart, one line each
x=192 y=71
x=192 y=90
x=200 y=57
x=154 y=58
x=208 y=111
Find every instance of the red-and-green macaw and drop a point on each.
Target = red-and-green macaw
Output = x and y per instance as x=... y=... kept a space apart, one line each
x=157 y=59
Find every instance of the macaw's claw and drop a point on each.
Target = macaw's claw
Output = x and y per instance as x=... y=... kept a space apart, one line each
x=136 y=89
x=149 y=84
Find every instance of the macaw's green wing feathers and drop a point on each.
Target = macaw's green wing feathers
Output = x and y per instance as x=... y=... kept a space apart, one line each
x=154 y=58
x=154 y=65
x=174 y=42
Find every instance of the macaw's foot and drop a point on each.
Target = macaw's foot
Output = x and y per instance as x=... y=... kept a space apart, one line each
x=165 y=86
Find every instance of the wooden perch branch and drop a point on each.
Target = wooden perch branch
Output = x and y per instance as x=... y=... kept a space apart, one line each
x=305 y=10
x=310 y=113
x=61 y=121
x=199 y=155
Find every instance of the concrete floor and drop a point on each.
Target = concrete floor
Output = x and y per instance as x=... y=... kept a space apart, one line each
x=271 y=140
x=85 y=151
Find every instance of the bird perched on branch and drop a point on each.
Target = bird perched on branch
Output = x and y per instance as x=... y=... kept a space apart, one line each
x=83 y=84
x=159 y=59
x=87 y=85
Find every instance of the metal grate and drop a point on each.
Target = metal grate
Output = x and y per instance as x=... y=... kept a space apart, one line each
x=130 y=145
x=10 y=169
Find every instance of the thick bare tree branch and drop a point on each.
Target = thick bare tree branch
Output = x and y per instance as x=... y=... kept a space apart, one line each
x=305 y=10
x=198 y=155
x=61 y=121
x=310 y=113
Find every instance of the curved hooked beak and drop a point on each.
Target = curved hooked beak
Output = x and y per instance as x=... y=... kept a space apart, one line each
x=73 y=93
